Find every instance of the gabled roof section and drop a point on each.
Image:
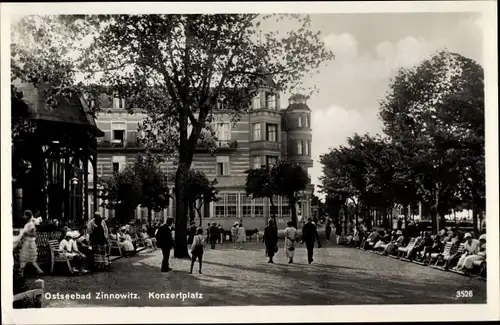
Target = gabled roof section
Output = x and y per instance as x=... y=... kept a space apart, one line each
x=72 y=110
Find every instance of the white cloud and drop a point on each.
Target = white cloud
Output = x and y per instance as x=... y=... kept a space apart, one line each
x=331 y=128
x=406 y=53
x=344 y=46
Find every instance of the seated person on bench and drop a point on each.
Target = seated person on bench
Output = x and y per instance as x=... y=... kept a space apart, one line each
x=372 y=239
x=68 y=247
x=393 y=246
x=471 y=254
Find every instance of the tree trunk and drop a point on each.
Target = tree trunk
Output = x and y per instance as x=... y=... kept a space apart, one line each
x=198 y=210
x=293 y=209
x=180 y=250
x=191 y=209
x=274 y=211
x=435 y=211
x=150 y=216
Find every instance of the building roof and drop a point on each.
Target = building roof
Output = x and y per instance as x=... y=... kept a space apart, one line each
x=73 y=110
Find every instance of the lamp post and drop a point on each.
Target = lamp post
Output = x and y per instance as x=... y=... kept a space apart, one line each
x=74 y=182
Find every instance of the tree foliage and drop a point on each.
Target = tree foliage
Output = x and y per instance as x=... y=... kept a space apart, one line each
x=200 y=191
x=282 y=179
x=141 y=184
x=433 y=144
x=181 y=70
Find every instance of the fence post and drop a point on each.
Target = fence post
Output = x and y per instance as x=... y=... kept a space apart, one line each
x=39 y=285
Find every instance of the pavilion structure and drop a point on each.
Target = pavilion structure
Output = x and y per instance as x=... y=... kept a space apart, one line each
x=50 y=162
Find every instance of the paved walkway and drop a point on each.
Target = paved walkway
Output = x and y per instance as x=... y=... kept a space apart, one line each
x=338 y=276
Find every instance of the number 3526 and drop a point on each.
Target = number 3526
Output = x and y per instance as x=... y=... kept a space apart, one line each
x=464 y=294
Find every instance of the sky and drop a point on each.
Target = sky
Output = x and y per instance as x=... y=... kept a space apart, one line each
x=369 y=49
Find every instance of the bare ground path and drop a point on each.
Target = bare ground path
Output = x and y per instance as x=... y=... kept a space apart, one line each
x=338 y=276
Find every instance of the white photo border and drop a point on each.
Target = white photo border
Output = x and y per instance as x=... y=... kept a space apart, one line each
x=372 y=313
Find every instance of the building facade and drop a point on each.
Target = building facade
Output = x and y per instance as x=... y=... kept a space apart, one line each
x=262 y=137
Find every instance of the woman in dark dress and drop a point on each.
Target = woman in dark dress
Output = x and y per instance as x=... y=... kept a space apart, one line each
x=271 y=240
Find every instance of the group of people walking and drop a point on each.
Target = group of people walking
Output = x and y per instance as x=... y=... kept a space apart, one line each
x=309 y=237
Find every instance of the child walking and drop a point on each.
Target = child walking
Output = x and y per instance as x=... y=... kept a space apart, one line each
x=197 y=249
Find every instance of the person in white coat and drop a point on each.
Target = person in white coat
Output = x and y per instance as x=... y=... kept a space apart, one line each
x=241 y=237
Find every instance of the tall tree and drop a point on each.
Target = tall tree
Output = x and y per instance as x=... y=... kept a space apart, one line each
x=154 y=184
x=122 y=192
x=290 y=180
x=200 y=191
x=437 y=110
x=181 y=70
x=259 y=184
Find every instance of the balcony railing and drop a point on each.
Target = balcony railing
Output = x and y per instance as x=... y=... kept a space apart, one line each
x=265 y=145
x=219 y=145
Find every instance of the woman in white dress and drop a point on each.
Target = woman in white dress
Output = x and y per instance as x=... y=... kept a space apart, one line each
x=290 y=240
x=125 y=242
x=472 y=253
x=27 y=240
x=241 y=237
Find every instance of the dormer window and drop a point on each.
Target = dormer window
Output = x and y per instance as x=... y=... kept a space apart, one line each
x=270 y=101
x=118 y=103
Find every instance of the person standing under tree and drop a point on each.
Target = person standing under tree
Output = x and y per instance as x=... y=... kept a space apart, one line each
x=271 y=240
x=309 y=236
x=197 y=249
x=166 y=243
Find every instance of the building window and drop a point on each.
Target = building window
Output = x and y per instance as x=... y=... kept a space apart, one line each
x=309 y=147
x=118 y=130
x=118 y=103
x=223 y=132
x=256 y=131
x=270 y=101
x=273 y=211
x=232 y=204
x=246 y=205
x=222 y=165
x=119 y=162
x=272 y=131
x=259 y=211
x=219 y=211
x=271 y=160
x=285 y=210
x=306 y=149
x=247 y=211
x=299 y=121
x=256 y=162
x=299 y=147
x=306 y=121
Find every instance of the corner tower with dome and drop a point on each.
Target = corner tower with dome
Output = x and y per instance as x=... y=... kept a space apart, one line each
x=296 y=143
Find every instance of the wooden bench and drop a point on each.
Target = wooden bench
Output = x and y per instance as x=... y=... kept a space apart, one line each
x=35 y=295
x=402 y=251
x=446 y=258
x=113 y=244
x=435 y=257
x=57 y=257
x=481 y=266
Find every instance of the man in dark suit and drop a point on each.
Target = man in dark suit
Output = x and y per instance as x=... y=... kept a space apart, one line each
x=309 y=236
x=165 y=242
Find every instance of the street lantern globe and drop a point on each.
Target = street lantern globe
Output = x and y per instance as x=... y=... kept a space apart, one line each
x=74 y=180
